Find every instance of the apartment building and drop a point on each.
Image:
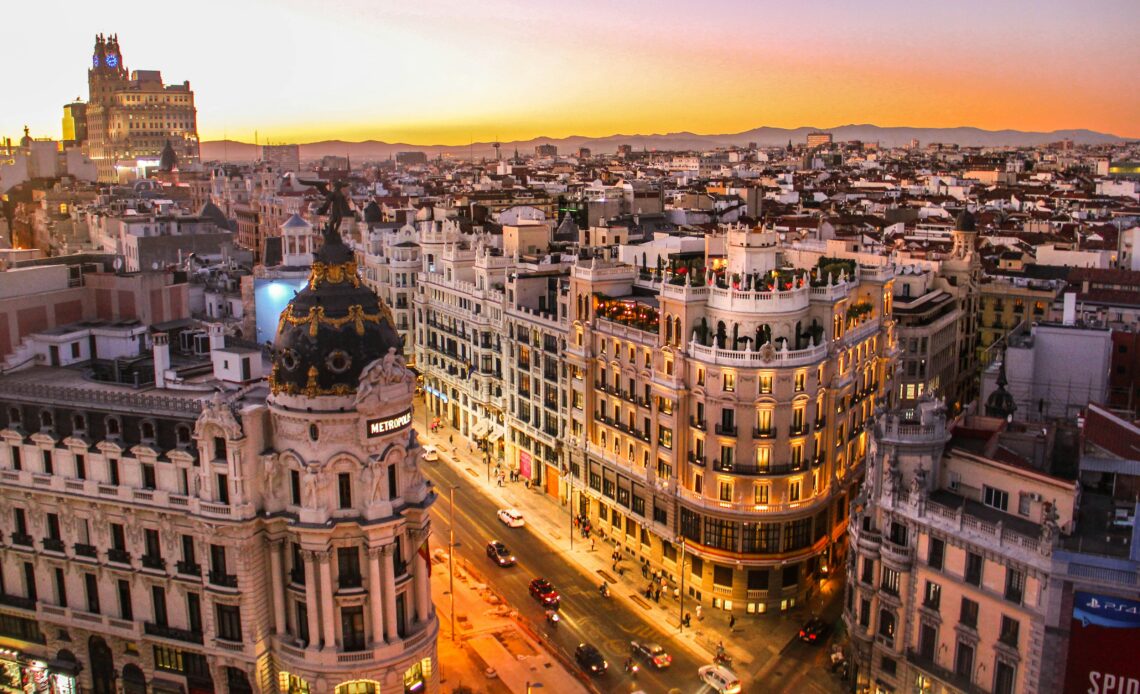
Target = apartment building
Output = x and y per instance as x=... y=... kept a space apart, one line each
x=1006 y=303
x=717 y=414
x=928 y=319
x=181 y=531
x=950 y=574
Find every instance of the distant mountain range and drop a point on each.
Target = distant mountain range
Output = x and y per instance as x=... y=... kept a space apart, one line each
x=371 y=150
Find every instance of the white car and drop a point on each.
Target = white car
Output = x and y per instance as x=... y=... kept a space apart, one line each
x=431 y=454
x=720 y=679
x=511 y=517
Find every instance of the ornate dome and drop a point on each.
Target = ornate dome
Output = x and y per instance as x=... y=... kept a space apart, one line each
x=373 y=213
x=1000 y=402
x=332 y=329
x=966 y=221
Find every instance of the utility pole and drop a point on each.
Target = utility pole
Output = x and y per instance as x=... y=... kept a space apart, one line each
x=681 y=602
x=570 y=500
x=451 y=559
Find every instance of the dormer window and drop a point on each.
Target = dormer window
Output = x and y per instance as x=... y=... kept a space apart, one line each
x=146 y=429
x=183 y=434
x=14 y=415
x=46 y=420
x=79 y=423
x=113 y=427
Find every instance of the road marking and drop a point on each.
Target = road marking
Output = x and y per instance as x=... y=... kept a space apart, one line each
x=473 y=472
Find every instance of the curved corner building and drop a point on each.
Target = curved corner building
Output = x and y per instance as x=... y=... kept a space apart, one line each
x=263 y=539
x=723 y=399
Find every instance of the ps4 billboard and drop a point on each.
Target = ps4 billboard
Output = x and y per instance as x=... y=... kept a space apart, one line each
x=1104 y=641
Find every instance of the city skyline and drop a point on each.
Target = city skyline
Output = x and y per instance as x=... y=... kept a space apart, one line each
x=450 y=74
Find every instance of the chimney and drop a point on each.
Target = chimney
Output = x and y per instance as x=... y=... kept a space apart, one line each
x=217 y=337
x=161 y=358
x=1070 y=315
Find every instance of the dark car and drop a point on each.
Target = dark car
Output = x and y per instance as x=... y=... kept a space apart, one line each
x=814 y=630
x=542 y=591
x=651 y=653
x=590 y=659
x=498 y=553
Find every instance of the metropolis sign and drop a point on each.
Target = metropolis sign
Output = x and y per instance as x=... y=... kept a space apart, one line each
x=387 y=425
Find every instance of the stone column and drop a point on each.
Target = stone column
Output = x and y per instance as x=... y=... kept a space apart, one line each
x=328 y=615
x=277 y=576
x=375 y=595
x=388 y=564
x=423 y=584
x=312 y=605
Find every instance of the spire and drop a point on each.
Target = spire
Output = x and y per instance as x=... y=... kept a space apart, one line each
x=1000 y=402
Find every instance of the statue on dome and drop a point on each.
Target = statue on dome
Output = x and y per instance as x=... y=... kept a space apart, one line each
x=336 y=204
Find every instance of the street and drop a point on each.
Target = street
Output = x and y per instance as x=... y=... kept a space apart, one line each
x=779 y=662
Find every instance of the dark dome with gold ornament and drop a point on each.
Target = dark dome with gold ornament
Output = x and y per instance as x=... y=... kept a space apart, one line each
x=333 y=328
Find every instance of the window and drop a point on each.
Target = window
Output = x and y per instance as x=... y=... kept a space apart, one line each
x=660 y=515
x=969 y=614
x=973 y=574
x=302 y=617
x=889 y=666
x=890 y=582
x=1009 y=631
x=80 y=466
x=720 y=533
x=729 y=380
x=148 y=476
x=758 y=579
x=765 y=384
x=352 y=628
x=344 y=489
x=690 y=525
x=964 y=661
x=887 y=625
x=700 y=376
x=762 y=494
x=153 y=548
x=91 y=583
x=724 y=492
x=791 y=576
x=665 y=436
x=864 y=613
x=801 y=381
x=49 y=468
x=1014 y=586
x=639 y=505
x=158 y=602
x=868 y=575
x=295 y=487
x=118 y=537
x=113 y=470
x=761 y=537
x=935 y=553
x=223 y=490
x=1005 y=676
x=229 y=623
x=995 y=498
x=194 y=612
x=1023 y=501
x=797 y=534
x=348 y=567
x=794 y=491
x=927 y=641
x=932 y=598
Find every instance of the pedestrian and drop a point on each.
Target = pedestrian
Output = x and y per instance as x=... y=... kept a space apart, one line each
x=700 y=615
x=676 y=593
x=451 y=440
x=591 y=544
x=657 y=595
x=574 y=521
x=614 y=567
x=731 y=622
x=527 y=483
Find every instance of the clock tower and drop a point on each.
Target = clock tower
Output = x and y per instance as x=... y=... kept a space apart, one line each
x=107 y=74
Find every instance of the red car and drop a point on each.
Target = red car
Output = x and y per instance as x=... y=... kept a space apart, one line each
x=544 y=593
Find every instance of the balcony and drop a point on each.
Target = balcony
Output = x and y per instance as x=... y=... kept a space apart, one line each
x=726 y=429
x=16 y=601
x=153 y=562
x=349 y=581
x=185 y=635
x=960 y=682
x=901 y=555
x=763 y=433
x=23 y=539
x=695 y=459
x=698 y=424
x=225 y=580
x=120 y=556
x=52 y=544
x=85 y=550
x=798 y=430
x=188 y=568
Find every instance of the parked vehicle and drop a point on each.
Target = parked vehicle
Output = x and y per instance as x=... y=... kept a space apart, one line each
x=814 y=630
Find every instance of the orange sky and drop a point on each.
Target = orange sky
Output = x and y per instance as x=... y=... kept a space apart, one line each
x=452 y=71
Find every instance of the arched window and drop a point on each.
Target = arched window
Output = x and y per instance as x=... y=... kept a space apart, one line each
x=677 y=336
x=46 y=419
x=113 y=426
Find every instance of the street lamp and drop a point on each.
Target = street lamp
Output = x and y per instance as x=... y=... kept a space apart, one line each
x=532 y=685
x=681 y=602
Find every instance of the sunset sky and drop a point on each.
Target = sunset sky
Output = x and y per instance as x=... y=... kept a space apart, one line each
x=455 y=71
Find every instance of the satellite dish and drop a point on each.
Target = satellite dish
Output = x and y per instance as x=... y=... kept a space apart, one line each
x=118 y=264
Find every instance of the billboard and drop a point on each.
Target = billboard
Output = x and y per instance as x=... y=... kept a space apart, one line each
x=270 y=297
x=1103 y=643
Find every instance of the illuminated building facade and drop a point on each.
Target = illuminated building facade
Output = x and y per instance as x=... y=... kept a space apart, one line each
x=717 y=412
x=271 y=537
x=131 y=116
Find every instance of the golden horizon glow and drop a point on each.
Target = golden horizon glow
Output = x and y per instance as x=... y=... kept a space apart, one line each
x=449 y=72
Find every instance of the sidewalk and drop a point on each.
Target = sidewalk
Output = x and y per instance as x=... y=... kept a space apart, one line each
x=754 y=644
x=491 y=653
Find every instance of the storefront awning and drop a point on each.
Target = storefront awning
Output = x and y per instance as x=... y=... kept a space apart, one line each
x=495 y=435
x=480 y=429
